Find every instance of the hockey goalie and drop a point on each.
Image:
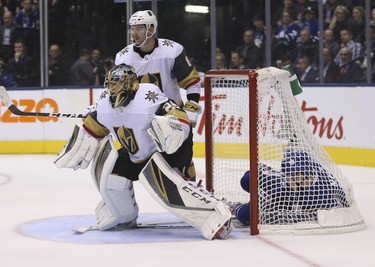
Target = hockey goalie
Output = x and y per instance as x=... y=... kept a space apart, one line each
x=156 y=148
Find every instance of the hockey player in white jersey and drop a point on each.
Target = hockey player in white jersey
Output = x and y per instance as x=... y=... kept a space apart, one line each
x=153 y=132
x=166 y=60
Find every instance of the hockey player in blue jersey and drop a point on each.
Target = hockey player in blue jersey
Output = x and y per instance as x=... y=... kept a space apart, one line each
x=295 y=193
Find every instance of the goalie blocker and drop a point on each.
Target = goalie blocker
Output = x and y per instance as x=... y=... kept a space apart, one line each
x=186 y=200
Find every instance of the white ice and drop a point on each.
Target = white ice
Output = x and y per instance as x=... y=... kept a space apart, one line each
x=32 y=189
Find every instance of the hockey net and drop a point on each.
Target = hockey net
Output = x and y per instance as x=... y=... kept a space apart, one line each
x=253 y=122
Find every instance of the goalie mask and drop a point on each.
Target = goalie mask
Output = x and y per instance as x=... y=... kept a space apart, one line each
x=122 y=85
x=144 y=17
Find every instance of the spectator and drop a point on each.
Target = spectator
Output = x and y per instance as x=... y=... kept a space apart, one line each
x=350 y=71
x=21 y=65
x=57 y=67
x=331 y=69
x=259 y=29
x=287 y=61
x=82 y=72
x=329 y=10
x=6 y=79
x=330 y=42
x=220 y=61
x=358 y=15
x=311 y=21
x=306 y=73
x=287 y=5
x=285 y=37
x=9 y=32
x=301 y=7
x=236 y=61
x=36 y=5
x=341 y=20
x=28 y=19
x=251 y=53
x=98 y=66
x=3 y=9
x=346 y=37
x=307 y=46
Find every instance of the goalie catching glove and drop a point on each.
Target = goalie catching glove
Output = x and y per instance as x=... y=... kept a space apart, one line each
x=167 y=133
x=192 y=109
x=78 y=151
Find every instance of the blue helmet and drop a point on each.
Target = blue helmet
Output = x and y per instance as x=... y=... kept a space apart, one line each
x=245 y=181
x=298 y=162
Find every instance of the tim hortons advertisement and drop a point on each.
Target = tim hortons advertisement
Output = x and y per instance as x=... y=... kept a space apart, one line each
x=338 y=116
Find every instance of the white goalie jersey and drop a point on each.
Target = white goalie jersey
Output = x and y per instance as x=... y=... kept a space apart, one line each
x=129 y=124
x=167 y=62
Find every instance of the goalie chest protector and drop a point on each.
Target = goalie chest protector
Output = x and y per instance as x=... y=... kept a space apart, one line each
x=129 y=124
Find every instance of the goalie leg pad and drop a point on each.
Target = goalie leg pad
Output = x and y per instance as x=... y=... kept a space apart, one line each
x=118 y=203
x=190 y=202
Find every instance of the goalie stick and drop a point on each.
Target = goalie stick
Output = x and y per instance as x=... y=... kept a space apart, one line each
x=84 y=229
x=8 y=102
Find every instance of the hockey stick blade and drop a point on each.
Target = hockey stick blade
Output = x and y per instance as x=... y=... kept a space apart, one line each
x=5 y=97
x=84 y=229
x=9 y=104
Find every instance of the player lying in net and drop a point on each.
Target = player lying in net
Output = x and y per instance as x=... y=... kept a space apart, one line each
x=294 y=194
x=153 y=132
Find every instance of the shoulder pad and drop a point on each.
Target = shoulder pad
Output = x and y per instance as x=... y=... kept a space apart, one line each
x=170 y=45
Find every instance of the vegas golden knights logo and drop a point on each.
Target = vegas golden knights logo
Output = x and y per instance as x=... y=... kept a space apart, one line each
x=127 y=139
x=153 y=78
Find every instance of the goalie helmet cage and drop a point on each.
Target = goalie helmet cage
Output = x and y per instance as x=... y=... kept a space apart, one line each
x=253 y=122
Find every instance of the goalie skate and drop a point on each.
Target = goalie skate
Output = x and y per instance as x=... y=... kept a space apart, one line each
x=224 y=231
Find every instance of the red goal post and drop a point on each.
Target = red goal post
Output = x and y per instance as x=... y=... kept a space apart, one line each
x=253 y=122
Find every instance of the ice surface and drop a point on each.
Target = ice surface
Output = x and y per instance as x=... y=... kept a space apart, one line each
x=40 y=203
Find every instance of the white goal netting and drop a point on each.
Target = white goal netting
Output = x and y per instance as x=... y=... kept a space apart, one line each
x=300 y=188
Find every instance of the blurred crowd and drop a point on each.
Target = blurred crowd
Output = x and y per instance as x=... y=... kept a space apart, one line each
x=19 y=51
x=295 y=42
x=296 y=37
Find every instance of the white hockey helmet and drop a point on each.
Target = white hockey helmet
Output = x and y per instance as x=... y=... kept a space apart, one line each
x=144 y=17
